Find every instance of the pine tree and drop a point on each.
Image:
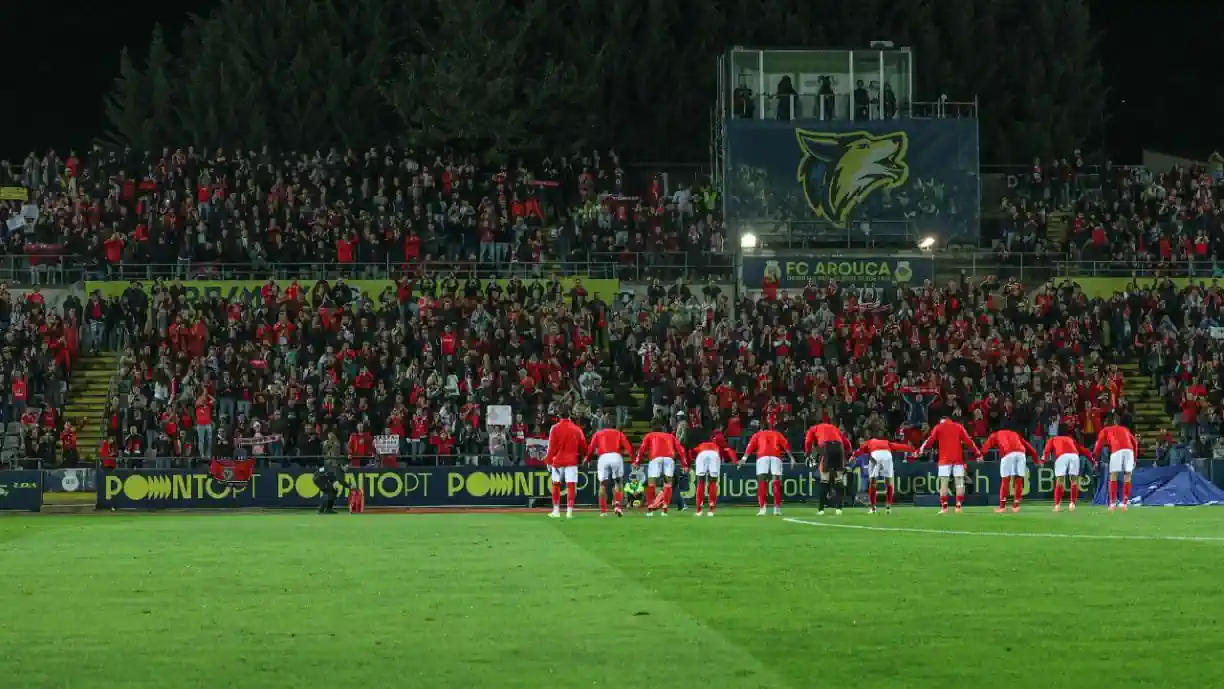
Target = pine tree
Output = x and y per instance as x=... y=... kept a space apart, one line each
x=128 y=107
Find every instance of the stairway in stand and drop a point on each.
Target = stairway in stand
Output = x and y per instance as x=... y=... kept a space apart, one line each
x=1058 y=228
x=1149 y=409
x=91 y=379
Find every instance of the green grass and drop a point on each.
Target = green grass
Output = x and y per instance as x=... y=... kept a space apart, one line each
x=474 y=601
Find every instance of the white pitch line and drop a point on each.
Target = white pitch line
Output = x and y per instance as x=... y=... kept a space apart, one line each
x=1009 y=534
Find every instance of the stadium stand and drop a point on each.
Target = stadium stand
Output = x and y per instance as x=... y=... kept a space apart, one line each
x=1121 y=219
x=324 y=371
x=325 y=368
x=41 y=349
x=195 y=214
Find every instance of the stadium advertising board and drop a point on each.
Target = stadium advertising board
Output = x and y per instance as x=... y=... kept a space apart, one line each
x=14 y=194
x=881 y=272
x=1106 y=287
x=21 y=490
x=476 y=486
x=247 y=291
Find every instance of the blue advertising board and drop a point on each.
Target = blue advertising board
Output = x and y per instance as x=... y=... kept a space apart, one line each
x=833 y=175
x=21 y=491
x=478 y=486
x=792 y=271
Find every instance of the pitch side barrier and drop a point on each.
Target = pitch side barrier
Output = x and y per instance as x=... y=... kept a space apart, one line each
x=489 y=486
x=21 y=491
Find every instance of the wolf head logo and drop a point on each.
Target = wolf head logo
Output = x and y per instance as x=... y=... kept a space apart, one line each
x=839 y=170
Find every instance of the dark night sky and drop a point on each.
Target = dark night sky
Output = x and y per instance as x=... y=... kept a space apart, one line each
x=1159 y=66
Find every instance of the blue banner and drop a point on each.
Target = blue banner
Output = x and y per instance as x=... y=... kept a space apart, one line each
x=898 y=176
x=792 y=271
x=481 y=486
x=21 y=490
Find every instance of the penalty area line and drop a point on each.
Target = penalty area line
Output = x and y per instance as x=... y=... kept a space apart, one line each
x=1009 y=534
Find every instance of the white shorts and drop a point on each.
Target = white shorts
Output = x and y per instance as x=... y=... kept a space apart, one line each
x=946 y=470
x=611 y=467
x=769 y=465
x=881 y=465
x=1122 y=462
x=1012 y=464
x=708 y=463
x=565 y=475
x=661 y=466
x=1067 y=465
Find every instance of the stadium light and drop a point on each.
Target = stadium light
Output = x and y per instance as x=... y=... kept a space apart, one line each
x=926 y=243
x=748 y=240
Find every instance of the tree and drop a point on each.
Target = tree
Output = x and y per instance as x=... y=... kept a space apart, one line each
x=293 y=74
x=480 y=79
x=535 y=75
x=128 y=107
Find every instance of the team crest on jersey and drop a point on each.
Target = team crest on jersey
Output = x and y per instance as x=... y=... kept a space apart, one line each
x=840 y=170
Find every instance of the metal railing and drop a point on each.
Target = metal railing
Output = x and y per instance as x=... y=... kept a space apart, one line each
x=516 y=456
x=628 y=266
x=40 y=269
x=1186 y=268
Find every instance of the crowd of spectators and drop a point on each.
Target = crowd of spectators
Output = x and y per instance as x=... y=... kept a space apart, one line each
x=321 y=372
x=1181 y=346
x=189 y=213
x=39 y=346
x=1123 y=219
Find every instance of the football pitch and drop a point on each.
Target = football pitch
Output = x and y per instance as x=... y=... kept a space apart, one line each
x=912 y=599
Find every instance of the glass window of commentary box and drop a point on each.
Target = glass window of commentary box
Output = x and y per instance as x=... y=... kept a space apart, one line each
x=789 y=85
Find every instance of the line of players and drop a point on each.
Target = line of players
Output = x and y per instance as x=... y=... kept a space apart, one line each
x=827 y=448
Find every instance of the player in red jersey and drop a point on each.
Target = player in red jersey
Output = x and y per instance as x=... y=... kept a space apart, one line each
x=708 y=458
x=566 y=445
x=1013 y=452
x=880 y=468
x=1122 y=447
x=1067 y=453
x=827 y=442
x=768 y=446
x=610 y=447
x=952 y=440
x=661 y=449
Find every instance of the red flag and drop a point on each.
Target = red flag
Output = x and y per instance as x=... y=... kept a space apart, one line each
x=232 y=470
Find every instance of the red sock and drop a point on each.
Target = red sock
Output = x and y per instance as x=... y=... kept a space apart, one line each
x=666 y=496
x=1126 y=491
x=556 y=495
x=1113 y=491
x=700 y=494
x=761 y=492
x=1018 y=483
x=871 y=493
x=943 y=502
x=1074 y=491
x=960 y=499
x=616 y=498
x=1058 y=494
x=888 y=495
x=650 y=492
x=712 y=490
x=777 y=489
x=603 y=502
x=1004 y=489
x=570 y=490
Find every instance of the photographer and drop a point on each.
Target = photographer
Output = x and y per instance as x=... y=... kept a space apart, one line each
x=325 y=478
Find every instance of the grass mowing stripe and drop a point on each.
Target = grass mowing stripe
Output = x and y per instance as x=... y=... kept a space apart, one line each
x=1011 y=534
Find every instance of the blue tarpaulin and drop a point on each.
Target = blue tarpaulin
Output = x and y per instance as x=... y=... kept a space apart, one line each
x=1163 y=486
